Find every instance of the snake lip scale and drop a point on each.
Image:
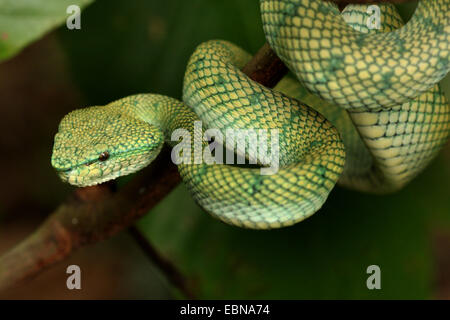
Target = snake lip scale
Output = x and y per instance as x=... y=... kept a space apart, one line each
x=362 y=109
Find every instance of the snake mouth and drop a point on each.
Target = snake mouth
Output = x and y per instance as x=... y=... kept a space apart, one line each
x=89 y=175
x=76 y=178
x=69 y=169
x=64 y=170
x=93 y=172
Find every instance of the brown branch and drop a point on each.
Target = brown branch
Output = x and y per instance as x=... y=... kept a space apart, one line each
x=265 y=67
x=95 y=213
x=88 y=215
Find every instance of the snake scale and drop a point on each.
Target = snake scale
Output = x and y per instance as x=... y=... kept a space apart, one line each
x=364 y=110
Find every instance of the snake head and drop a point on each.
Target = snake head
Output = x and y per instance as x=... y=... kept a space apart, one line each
x=100 y=143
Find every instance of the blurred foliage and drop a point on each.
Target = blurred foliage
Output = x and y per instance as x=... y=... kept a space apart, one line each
x=23 y=21
x=126 y=48
x=142 y=46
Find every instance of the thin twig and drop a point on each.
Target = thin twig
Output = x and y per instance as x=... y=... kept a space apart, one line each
x=171 y=272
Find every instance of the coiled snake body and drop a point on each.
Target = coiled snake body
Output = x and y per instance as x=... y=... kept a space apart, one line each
x=381 y=120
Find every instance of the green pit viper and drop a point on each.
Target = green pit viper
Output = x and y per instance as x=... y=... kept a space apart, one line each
x=365 y=111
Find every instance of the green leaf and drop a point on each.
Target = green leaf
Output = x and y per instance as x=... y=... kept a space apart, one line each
x=24 y=21
x=144 y=47
x=323 y=257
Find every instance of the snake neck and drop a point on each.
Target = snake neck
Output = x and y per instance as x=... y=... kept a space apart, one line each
x=164 y=113
x=175 y=122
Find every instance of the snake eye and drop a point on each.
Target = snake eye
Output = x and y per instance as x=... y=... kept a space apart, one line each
x=103 y=156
